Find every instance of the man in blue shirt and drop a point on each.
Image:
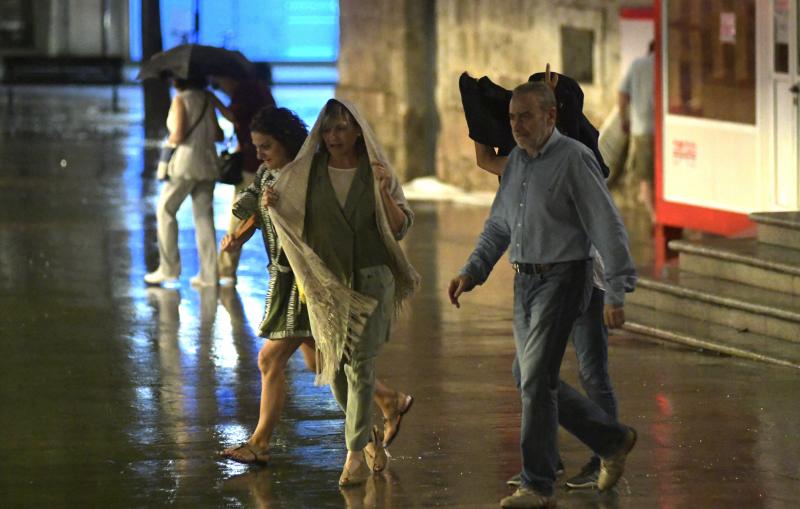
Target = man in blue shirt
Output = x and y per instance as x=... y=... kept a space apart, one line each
x=589 y=334
x=552 y=206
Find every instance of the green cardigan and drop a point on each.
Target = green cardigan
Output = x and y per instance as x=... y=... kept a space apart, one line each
x=347 y=239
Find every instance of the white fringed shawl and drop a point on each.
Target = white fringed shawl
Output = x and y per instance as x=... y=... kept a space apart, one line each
x=337 y=313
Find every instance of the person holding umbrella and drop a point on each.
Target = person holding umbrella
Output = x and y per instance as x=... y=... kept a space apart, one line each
x=192 y=170
x=248 y=96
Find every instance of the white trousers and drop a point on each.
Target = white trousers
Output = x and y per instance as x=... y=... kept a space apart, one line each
x=172 y=196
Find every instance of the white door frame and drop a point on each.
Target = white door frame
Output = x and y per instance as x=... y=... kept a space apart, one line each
x=784 y=106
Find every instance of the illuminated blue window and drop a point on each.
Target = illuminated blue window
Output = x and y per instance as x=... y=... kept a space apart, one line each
x=264 y=30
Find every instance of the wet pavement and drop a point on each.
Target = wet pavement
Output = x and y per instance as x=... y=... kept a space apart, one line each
x=116 y=395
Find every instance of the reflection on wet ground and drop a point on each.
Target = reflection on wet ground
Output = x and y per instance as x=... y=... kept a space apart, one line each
x=118 y=395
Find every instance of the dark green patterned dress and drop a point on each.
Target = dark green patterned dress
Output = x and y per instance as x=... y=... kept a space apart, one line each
x=284 y=315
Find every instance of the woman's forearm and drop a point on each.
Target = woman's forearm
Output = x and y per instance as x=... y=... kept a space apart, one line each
x=224 y=110
x=394 y=213
x=246 y=230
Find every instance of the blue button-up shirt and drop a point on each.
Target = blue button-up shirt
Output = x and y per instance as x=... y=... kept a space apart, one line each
x=552 y=208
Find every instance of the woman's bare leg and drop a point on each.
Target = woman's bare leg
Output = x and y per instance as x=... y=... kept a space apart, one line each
x=309 y=354
x=387 y=398
x=272 y=360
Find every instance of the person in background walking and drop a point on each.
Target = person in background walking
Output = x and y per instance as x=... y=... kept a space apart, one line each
x=247 y=97
x=192 y=170
x=636 y=114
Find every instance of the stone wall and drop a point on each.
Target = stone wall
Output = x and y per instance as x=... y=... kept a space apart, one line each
x=508 y=40
x=400 y=61
x=386 y=68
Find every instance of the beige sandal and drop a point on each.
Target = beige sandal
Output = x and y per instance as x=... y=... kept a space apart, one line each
x=391 y=424
x=360 y=475
x=374 y=453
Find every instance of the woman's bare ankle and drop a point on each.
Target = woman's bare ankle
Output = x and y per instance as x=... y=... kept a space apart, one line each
x=354 y=459
x=261 y=443
x=389 y=403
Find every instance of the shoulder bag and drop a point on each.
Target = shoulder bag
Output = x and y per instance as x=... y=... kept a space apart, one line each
x=231 y=165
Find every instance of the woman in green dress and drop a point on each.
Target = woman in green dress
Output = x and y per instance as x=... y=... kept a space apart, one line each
x=278 y=134
x=339 y=212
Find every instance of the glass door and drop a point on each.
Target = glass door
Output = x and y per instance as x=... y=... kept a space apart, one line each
x=785 y=83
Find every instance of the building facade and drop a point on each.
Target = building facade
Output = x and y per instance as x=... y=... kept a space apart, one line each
x=726 y=112
x=401 y=60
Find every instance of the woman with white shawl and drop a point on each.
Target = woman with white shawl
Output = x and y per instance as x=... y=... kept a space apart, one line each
x=339 y=212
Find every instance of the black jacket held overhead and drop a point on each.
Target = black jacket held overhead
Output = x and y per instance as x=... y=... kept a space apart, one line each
x=486 y=109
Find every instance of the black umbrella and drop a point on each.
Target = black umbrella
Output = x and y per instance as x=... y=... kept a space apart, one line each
x=194 y=60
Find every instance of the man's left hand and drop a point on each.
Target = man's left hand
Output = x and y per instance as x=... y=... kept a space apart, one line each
x=614 y=315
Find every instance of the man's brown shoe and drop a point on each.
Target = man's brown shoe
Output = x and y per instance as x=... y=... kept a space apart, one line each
x=611 y=467
x=527 y=498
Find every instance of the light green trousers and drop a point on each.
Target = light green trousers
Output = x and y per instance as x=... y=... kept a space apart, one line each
x=354 y=384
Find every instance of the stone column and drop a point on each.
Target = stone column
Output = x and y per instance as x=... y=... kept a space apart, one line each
x=386 y=59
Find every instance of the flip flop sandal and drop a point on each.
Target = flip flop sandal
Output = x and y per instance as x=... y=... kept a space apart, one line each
x=258 y=457
x=396 y=419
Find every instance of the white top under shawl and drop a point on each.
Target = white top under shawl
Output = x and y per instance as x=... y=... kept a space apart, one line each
x=341 y=179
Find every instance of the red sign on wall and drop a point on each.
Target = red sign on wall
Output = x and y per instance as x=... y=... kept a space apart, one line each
x=684 y=152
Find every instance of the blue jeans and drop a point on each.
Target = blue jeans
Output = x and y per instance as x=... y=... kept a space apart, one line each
x=546 y=306
x=590 y=339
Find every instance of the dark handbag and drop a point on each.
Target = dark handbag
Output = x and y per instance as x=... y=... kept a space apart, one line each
x=231 y=165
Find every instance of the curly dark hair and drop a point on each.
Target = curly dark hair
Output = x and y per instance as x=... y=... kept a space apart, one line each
x=282 y=124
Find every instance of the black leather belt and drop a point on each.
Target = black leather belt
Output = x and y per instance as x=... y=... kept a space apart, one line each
x=532 y=268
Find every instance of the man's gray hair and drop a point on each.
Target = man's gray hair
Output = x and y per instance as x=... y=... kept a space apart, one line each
x=544 y=96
